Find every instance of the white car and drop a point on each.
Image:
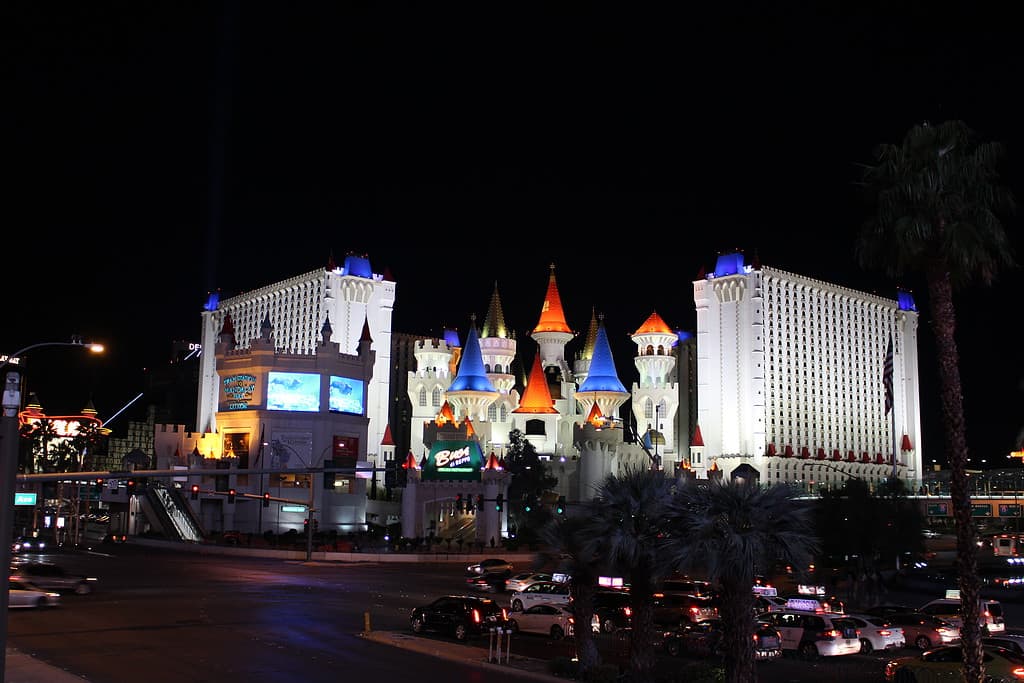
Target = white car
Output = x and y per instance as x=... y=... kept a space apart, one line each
x=520 y=581
x=990 y=614
x=877 y=634
x=815 y=634
x=25 y=595
x=549 y=619
x=539 y=592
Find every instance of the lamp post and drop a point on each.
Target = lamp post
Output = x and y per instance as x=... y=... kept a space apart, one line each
x=9 y=469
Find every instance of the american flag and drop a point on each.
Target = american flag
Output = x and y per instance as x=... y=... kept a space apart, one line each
x=887 y=376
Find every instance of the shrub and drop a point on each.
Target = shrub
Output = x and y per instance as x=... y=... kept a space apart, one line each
x=563 y=667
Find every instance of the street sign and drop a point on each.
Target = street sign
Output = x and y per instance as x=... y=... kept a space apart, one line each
x=293 y=508
x=24 y=498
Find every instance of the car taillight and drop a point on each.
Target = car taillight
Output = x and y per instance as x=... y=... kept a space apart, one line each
x=1018 y=672
x=628 y=611
x=884 y=632
x=695 y=611
x=504 y=614
x=476 y=616
x=572 y=620
x=829 y=634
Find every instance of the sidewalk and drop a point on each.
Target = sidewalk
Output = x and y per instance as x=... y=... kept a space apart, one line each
x=528 y=667
x=22 y=668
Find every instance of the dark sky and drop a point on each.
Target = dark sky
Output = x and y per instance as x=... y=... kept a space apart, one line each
x=161 y=150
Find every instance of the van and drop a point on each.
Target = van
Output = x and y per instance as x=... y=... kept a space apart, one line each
x=990 y=612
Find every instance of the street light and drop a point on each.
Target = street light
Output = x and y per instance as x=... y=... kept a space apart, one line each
x=9 y=469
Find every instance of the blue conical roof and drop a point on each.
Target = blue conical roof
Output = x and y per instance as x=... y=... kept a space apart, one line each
x=471 y=376
x=601 y=375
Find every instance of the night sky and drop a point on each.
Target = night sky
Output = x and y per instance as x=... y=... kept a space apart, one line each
x=163 y=150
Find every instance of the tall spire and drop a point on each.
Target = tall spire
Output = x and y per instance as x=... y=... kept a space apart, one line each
x=537 y=397
x=552 y=317
x=494 y=321
x=472 y=375
x=588 y=345
x=602 y=385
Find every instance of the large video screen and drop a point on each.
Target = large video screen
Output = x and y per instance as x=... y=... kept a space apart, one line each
x=293 y=391
x=346 y=396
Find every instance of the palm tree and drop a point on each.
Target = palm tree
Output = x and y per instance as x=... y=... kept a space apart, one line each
x=566 y=543
x=937 y=204
x=625 y=528
x=729 y=530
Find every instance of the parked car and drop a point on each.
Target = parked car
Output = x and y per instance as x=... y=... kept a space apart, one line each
x=877 y=634
x=990 y=613
x=519 y=581
x=886 y=609
x=946 y=663
x=24 y=595
x=923 y=630
x=814 y=634
x=53 y=577
x=677 y=609
x=612 y=609
x=461 y=616
x=1011 y=641
x=687 y=586
x=550 y=619
x=704 y=639
x=539 y=592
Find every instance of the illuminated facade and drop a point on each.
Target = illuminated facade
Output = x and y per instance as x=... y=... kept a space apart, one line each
x=790 y=378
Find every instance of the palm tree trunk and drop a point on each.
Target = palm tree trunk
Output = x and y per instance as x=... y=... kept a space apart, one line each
x=736 y=610
x=583 y=613
x=940 y=294
x=641 y=654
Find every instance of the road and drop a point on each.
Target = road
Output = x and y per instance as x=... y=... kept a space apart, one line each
x=168 y=617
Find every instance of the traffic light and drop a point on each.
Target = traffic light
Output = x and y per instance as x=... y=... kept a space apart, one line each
x=480 y=501
x=231 y=495
x=528 y=504
x=195 y=492
x=499 y=502
x=130 y=485
x=458 y=502
x=560 y=506
x=328 y=476
x=469 y=503
x=266 y=499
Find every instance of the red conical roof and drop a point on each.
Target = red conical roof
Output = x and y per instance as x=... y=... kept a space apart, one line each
x=388 y=440
x=697 y=440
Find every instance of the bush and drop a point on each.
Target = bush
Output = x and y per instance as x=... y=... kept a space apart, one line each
x=563 y=667
x=602 y=673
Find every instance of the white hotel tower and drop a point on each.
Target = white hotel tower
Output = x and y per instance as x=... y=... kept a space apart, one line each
x=347 y=297
x=790 y=378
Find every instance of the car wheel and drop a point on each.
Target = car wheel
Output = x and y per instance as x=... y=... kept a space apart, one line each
x=866 y=647
x=904 y=677
x=923 y=643
x=83 y=589
x=672 y=647
x=513 y=626
x=557 y=633
x=40 y=602
x=608 y=626
x=461 y=632
x=808 y=651
x=517 y=605
x=417 y=624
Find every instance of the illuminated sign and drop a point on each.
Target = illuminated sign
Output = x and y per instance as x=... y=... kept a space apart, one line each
x=293 y=391
x=24 y=498
x=345 y=395
x=938 y=509
x=981 y=510
x=238 y=390
x=293 y=508
x=454 y=461
x=1009 y=510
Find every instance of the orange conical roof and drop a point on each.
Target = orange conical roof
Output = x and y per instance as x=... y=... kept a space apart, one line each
x=595 y=415
x=445 y=415
x=469 y=428
x=654 y=325
x=552 y=317
x=493 y=463
x=410 y=462
x=537 y=397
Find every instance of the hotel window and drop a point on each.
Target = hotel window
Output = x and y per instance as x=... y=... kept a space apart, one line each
x=423 y=398
x=436 y=398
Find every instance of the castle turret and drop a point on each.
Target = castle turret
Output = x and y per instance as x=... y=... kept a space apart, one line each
x=471 y=392
x=602 y=385
x=656 y=395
